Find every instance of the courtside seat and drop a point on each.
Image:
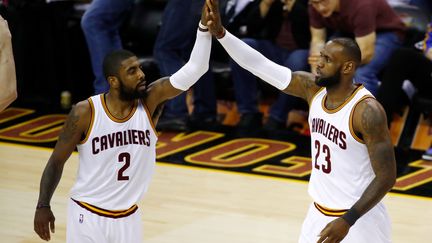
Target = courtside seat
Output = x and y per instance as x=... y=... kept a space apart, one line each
x=420 y=105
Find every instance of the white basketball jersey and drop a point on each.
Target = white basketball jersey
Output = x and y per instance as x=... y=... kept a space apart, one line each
x=341 y=167
x=116 y=159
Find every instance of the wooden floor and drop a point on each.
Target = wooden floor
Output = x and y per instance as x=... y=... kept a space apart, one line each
x=187 y=205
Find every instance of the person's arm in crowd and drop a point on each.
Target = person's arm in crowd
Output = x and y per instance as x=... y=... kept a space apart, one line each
x=364 y=30
x=367 y=46
x=264 y=7
x=318 y=39
x=8 y=87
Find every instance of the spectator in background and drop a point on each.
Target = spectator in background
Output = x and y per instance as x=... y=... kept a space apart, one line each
x=171 y=51
x=8 y=81
x=376 y=27
x=100 y=24
x=281 y=33
x=407 y=64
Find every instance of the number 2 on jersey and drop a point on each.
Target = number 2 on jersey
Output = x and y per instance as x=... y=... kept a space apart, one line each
x=123 y=158
x=326 y=151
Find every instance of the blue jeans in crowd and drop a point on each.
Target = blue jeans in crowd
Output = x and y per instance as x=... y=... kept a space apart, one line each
x=246 y=87
x=100 y=25
x=385 y=44
x=171 y=51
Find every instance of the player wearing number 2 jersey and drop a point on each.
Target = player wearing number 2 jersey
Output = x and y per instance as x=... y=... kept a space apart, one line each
x=352 y=154
x=116 y=141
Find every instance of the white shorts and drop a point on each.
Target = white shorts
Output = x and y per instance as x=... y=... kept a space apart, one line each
x=373 y=227
x=84 y=226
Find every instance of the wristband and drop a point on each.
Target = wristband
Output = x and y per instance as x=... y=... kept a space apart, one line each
x=202 y=27
x=351 y=216
x=42 y=205
x=221 y=34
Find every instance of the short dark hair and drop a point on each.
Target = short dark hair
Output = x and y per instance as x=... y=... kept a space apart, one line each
x=351 y=49
x=113 y=60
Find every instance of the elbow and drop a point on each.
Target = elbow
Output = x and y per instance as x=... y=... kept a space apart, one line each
x=14 y=96
x=367 y=57
x=7 y=100
x=205 y=68
x=390 y=181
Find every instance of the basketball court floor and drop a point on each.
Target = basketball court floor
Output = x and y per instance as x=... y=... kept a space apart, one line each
x=252 y=196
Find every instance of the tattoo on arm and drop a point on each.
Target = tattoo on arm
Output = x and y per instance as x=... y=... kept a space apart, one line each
x=369 y=120
x=373 y=127
x=69 y=128
x=372 y=123
x=303 y=85
x=158 y=112
x=50 y=179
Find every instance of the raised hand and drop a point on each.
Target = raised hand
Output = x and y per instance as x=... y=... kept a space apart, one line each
x=214 y=22
x=204 y=14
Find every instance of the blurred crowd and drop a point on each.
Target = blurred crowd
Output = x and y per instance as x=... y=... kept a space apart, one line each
x=395 y=37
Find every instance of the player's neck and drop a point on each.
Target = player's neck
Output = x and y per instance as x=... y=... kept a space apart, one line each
x=339 y=94
x=118 y=107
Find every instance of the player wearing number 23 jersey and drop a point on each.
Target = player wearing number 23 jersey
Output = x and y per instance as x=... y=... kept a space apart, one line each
x=341 y=167
x=353 y=164
x=341 y=172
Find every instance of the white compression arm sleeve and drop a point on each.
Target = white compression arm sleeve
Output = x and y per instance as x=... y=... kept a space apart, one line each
x=197 y=65
x=253 y=61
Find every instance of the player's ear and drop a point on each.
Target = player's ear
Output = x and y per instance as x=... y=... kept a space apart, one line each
x=348 y=67
x=113 y=81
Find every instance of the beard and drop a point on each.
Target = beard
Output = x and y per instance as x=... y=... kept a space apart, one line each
x=128 y=94
x=329 y=81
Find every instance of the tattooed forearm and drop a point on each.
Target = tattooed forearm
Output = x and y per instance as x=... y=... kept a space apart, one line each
x=383 y=163
x=50 y=179
x=69 y=128
x=382 y=153
x=373 y=127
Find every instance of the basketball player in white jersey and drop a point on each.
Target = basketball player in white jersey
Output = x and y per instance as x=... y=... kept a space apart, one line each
x=116 y=140
x=353 y=163
x=8 y=87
